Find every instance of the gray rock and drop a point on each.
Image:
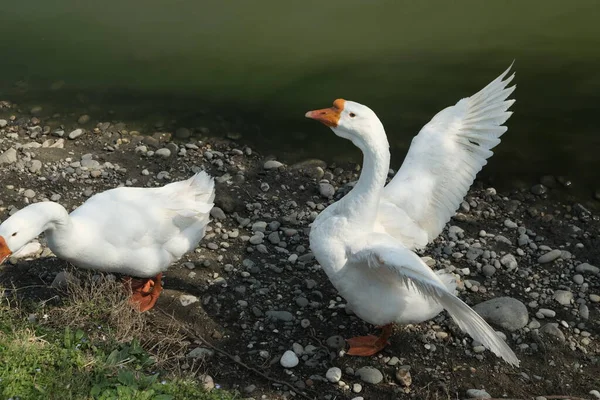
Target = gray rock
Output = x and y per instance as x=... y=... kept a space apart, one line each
x=539 y=189
x=90 y=164
x=474 y=253
x=509 y=261
x=3 y=123
x=62 y=279
x=584 y=311
x=584 y=267
x=289 y=359
x=505 y=312
x=326 y=190
x=563 y=297
x=510 y=224
x=285 y=316
x=334 y=374
x=36 y=166
x=302 y=301
x=187 y=299
x=272 y=164
x=488 y=270
x=578 y=279
x=370 y=375
x=336 y=342
x=456 y=233
x=164 y=152
x=478 y=394
x=30 y=194
x=9 y=156
x=201 y=353
x=274 y=237
x=552 y=329
x=549 y=256
x=217 y=213
x=75 y=134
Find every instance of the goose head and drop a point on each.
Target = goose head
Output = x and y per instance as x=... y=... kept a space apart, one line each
x=21 y=228
x=350 y=120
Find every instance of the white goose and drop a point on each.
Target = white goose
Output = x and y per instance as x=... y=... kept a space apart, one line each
x=364 y=242
x=137 y=232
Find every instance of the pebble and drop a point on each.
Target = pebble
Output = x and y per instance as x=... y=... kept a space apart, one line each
x=336 y=342
x=289 y=359
x=62 y=279
x=403 y=376
x=510 y=224
x=285 y=316
x=207 y=382
x=553 y=330
x=488 y=270
x=549 y=256
x=539 y=189
x=217 y=213
x=505 y=312
x=578 y=279
x=9 y=156
x=334 y=374
x=3 y=123
x=272 y=164
x=164 y=152
x=585 y=267
x=187 y=299
x=75 y=134
x=30 y=194
x=36 y=166
x=200 y=353
x=584 y=311
x=545 y=312
x=84 y=119
x=370 y=375
x=563 y=297
x=594 y=298
x=478 y=394
x=326 y=190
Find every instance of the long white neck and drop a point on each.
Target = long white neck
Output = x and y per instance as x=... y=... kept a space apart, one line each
x=362 y=202
x=48 y=217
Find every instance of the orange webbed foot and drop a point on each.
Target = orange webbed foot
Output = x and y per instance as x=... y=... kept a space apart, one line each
x=145 y=292
x=366 y=346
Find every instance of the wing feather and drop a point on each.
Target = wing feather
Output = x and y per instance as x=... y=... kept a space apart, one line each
x=447 y=154
x=416 y=275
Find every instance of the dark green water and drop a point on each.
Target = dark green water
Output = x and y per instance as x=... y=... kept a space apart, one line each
x=256 y=67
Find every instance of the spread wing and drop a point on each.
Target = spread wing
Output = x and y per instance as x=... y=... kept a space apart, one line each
x=445 y=156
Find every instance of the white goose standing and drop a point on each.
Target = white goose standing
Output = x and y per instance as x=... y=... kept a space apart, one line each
x=137 y=232
x=364 y=241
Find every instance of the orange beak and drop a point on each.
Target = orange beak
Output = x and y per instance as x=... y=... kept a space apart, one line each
x=328 y=116
x=4 y=250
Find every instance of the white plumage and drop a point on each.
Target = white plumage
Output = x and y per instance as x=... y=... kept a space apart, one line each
x=364 y=242
x=131 y=231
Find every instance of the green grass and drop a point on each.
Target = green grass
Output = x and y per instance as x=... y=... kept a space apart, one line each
x=42 y=361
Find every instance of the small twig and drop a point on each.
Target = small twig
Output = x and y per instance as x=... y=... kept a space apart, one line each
x=196 y=335
x=26 y=287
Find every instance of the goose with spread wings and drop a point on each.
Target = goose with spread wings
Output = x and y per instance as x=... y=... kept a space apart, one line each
x=365 y=241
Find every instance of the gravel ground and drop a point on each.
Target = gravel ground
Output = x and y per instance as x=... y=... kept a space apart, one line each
x=527 y=261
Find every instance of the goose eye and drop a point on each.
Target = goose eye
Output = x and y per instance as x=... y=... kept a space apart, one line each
x=352 y=115
x=14 y=234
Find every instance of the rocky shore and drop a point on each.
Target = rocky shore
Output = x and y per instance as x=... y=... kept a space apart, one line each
x=527 y=262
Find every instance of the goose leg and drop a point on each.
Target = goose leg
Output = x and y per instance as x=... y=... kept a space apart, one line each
x=369 y=345
x=145 y=292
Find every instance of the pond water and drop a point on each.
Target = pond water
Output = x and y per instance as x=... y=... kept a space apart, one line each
x=254 y=68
